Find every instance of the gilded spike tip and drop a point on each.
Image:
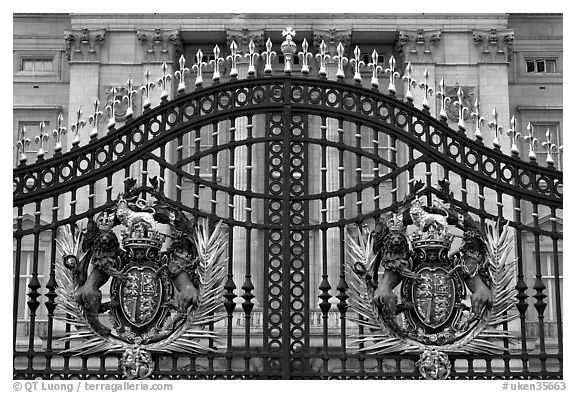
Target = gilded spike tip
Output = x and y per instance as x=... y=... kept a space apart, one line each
x=444 y=100
x=392 y=75
x=341 y=61
x=233 y=57
x=321 y=57
x=375 y=69
x=57 y=134
x=305 y=55
x=21 y=145
x=111 y=109
x=163 y=81
x=410 y=83
x=513 y=134
x=197 y=67
x=215 y=63
x=40 y=140
x=129 y=98
x=181 y=74
x=497 y=129
x=76 y=127
x=462 y=110
x=252 y=55
x=146 y=89
x=267 y=55
x=480 y=121
x=94 y=119
x=532 y=142
x=550 y=148
x=428 y=90
x=356 y=63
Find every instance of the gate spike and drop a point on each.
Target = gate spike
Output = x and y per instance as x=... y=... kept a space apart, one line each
x=288 y=48
x=444 y=100
x=75 y=128
x=215 y=63
x=145 y=90
x=341 y=60
x=181 y=74
x=322 y=57
x=267 y=56
x=409 y=81
x=21 y=145
x=497 y=129
x=111 y=109
x=550 y=147
x=375 y=69
x=94 y=119
x=393 y=75
x=163 y=81
x=251 y=55
x=513 y=134
x=305 y=55
x=198 y=67
x=480 y=121
x=356 y=63
x=129 y=98
x=428 y=91
x=40 y=139
x=233 y=57
x=532 y=142
x=462 y=110
x=57 y=134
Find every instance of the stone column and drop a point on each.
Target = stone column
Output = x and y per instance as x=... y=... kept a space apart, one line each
x=241 y=171
x=417 y=48
x=83 y=49
x=331 y=38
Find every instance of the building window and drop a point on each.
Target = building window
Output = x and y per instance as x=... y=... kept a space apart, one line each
x=367 y=58
x=540 y=130
x=24 y=278
x=541 y=66
x=32 y=131
x=38 y=65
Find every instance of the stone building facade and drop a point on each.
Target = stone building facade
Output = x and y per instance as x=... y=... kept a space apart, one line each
x=511 y=63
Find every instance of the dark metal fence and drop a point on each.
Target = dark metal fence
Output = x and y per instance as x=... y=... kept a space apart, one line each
x=290 y=165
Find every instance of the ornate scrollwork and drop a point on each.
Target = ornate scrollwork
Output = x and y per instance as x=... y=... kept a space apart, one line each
x=162 y=295
x=434 y=316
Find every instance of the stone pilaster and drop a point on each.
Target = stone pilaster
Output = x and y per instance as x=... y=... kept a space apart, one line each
x=242 y=38
x=495 y=45
x=415 y=46
x=332 y=37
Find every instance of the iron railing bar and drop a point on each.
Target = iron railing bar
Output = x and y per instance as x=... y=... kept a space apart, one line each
x=539 y=286
x=557 y=284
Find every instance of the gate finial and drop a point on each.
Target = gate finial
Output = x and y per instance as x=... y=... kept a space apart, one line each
x=375 y=69
x=251 y=55
x=407 y=78
x=40 y=139
x=129 y=98
x=198 y=67
x=549 y=146
x=393 y=75
x=233 y=57
x=497 y=129
x=145 y=90
x=75 y=128
x=216 y=63
x=444 y=100
x=462 y=110
x=94 y=119
x=21 y=145
x=163 y=81
x=57 y=134
x=341 y=60
x=267 y=55
x=288 y=48
x=513 y=134
x=480 y=121
x=181 y=74
x=428 y=91
x=111 y=109
x=322 y=57
x=356 y=63
x=305 y=55
x=531 y=142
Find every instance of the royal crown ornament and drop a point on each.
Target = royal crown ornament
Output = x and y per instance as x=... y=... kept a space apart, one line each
x=450 y=302
x=162 y=294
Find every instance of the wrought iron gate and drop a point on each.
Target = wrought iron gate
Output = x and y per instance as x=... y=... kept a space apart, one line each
x=319 y=157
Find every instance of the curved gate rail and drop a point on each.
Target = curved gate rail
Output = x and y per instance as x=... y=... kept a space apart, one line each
x=317 y=157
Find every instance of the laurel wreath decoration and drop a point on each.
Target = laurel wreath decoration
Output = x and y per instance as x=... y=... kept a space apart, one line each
x=185 y=339
x=481 y=335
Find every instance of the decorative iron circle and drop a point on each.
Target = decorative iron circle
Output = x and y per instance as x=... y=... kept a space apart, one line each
x=489 y=166
x=189 y=111
x=507 y=173
x=543 y=183
x=65 y=171
x=384 y=111
x=275 y=290
x=119 y=147
x=349 y=101
x=471 y=158
x=137 y=137
x=315 y=95
x=154 y=127
x=418 y=128
x=30 y=182
x=48 y=177
x=173 y=118
x=296 y=277
x=258 y=95
x=454 y=149
x=558 y=188
x=435 y=139
x=207 y=105
x=276 y=93
x=526 y=179
x=101 y=156
x=16 y=186
x=332 y=98
x=224 y=100
x=297 y=318
x=401 y=119
x=297 y=94
x=366 y=106
x=83 y=165
x=275 y=263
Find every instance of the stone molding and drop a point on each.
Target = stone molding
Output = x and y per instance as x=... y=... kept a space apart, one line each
x=83 y=45
x=243 y=37
x=495 y=45
x=415 y=46
x=332 y=37
x=160 y=45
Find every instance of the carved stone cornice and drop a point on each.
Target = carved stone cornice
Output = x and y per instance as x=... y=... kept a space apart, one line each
x=415 y=46
x=83 y=45
x=243 y=37
x=496 y=45
x=160 y=45
x=332 y=37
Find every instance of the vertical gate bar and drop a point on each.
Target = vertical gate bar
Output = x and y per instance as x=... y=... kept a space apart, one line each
x=144 y=173
x=17 y=264
x=214 y=168
x=428 y=182
x=557 y=284
x=306 y=236
x=162 y=174
x=505 y=356
x=68 y=326
x=324 y=284
x=393 y=159
x=109 y=188
x=211 y=225
x=266 y=254
x=521 y=286
x=482 y=200
x=342 y=286
x=51 y=286
x=34 y=285
x=230 y=285
x=196 y=194
x=464 y=189
x=410 y=169
x=376 y=170
x=359 y=223
x=179 y=155
x=539 y=287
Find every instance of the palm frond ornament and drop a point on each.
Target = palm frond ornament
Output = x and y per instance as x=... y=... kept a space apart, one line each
x=434 y=318
x=161 y=301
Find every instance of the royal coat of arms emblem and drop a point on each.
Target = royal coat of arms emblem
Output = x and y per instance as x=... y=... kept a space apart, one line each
x=167 y=280
x=406 y=282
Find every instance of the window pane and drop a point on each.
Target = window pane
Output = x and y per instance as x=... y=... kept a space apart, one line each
x=48 y=65
x=550 y=65
x=540 y=66
x=27 y=65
